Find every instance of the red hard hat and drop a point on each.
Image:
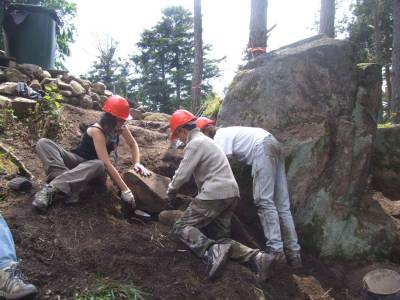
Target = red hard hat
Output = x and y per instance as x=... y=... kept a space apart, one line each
x=203 y=122
x=178 y=119
x=118 y=107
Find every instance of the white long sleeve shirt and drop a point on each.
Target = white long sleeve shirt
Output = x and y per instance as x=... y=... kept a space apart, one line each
x=239 y=141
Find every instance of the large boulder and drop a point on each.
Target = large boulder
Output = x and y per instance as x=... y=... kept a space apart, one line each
x=150 y=192
x=314 y=98
x=386 y=161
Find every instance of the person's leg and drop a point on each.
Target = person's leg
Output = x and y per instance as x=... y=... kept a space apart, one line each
x=55 y=159
x=220 y=230
x=282 y=202
x=198 y=216
x=74 y=180
x=264 y=171
x=69 y=184
x=7 y=248
x=12 y=285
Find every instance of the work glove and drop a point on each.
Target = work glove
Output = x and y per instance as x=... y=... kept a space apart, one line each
x=128 y=197
x=138 y=167
x=171 y=198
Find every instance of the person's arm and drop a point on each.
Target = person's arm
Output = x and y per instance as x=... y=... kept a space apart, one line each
x=191 y=158
x=135 y=152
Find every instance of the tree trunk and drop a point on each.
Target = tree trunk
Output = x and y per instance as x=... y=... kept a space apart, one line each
x=395 y=107
x=388 y=91
x=327 y=18
x=258 y=27
x=198 y=57
x=378 y=33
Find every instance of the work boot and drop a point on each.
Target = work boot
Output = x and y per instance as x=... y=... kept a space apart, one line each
x=44 y=198
x=71 y=199
x=217 y=256
x=279 y=258
x=12 y=285
x=294 y=260
x=260 y=264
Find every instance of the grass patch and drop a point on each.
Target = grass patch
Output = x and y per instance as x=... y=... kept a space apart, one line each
x=111 y=291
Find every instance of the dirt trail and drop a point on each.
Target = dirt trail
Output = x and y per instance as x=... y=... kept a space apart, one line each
x=71 y=248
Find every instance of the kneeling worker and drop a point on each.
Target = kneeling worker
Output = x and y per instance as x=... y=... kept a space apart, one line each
x=258 y=148
x=205 y=224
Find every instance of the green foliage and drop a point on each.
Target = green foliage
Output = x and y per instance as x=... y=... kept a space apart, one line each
x=361 y=29
x=211 y=106
x=7 y=119
x=112 y=71
x=113 y=291
x=51 y=105
x=66 y=11
x=164 y=63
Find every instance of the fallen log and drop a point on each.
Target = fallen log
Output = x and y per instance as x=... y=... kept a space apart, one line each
x=15 y=160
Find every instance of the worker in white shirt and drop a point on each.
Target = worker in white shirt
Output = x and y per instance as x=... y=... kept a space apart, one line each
x=259 y=148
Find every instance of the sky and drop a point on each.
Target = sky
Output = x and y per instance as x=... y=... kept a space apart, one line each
x=225 y=27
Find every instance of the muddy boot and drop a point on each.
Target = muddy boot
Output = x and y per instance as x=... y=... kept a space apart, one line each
x=216 y=257
x=44 y=198
x=294 y=260
x=71 y=199
x=260 y=264
x=12 y=285
x=279 y=258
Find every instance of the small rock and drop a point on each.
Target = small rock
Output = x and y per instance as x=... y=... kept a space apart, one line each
x=95 y=97
x=64 y=86
x=5 y=102
x=77 y=89
x=48 y=81
x=35 y=85
x=65 y=93
x=23 y=106
x=86 y=102
x=99 y=88
x=14 y=75
x=31 y=70
x=8 y=88
x=72 y=100
x=45 y=74
x=169 y=217
x=108 y=93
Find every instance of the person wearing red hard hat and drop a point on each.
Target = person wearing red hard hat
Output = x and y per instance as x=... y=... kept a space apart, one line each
x=259 y=148
x=212 y=209
x=68 y=172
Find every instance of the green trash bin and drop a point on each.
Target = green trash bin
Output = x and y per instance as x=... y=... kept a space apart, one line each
x=30 y=34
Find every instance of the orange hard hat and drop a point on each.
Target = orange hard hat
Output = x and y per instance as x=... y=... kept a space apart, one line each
x=178 y=119
x=203 y=122
x=118 y=107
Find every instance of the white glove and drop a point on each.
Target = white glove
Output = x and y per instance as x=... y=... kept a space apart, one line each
x=128 y=197
x=138 y=167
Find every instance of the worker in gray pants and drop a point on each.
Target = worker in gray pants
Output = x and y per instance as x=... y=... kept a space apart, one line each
x=68 y=172
x=259 y=148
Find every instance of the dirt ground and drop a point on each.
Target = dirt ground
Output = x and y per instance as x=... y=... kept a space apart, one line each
x=71 y=249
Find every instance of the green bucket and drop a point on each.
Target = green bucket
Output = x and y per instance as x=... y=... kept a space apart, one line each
x=30 y=32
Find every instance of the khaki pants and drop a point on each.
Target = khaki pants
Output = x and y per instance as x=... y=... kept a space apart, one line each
x=205 y=223
x=66 y=171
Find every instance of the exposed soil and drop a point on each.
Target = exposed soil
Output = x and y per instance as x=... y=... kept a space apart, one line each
x=72 y=248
